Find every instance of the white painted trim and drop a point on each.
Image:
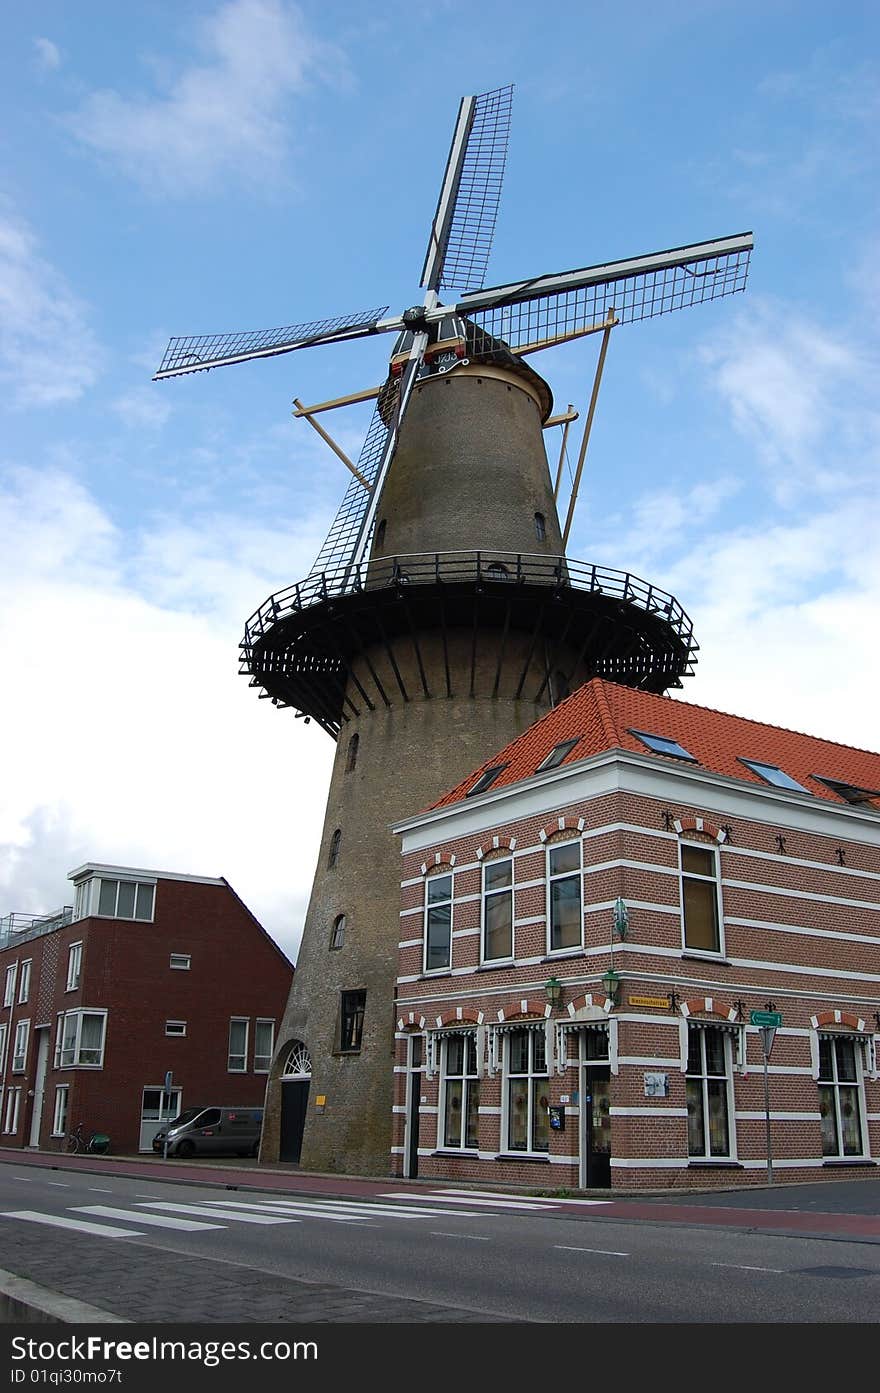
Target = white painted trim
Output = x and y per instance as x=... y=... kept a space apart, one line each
x=650 y=1112
x=802 y=894
x=775 y=1116
x=802 y=930
x=93 y=868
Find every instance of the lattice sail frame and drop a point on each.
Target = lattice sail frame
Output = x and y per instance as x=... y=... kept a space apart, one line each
x=465 y=257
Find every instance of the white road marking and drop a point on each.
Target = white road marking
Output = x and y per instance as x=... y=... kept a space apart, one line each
x=531 y=1199
x=97 y=1190
x=740 y=1267
x=162 y=1221
x=327 y=1209
x=81 y=1225
x=62 y=1184
x=216 y=1213
x=475 y=1237
x=606 y=1252
x=483 y=1203
x=28 y=1179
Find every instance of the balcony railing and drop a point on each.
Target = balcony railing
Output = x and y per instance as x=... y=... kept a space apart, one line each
x=463 y=567
x=18 y=928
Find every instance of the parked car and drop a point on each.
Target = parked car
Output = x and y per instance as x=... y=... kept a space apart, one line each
x=212 y=1131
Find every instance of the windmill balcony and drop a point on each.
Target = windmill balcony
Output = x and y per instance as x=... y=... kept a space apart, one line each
x=301 y=645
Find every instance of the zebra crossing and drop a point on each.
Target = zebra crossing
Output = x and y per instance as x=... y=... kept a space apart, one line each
x=136 y=1218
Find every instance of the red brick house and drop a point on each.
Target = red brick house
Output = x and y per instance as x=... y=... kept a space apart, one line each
x=147 y=972
x=588 y=922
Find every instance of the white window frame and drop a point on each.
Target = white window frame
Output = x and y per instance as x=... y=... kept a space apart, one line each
x=20 y=1051
x=9 y=985
x=74 y=966
x=706 y=1155
x=260 y=1068
x=442 y=875
x=24 y=981
x=134 y=918
x=469 y=1078
x=175 y=1028
x=10 y=1118
x=696 y=875
x=82 y=896
x=858 y=1087
x=75 y=1049
x=565 y=875
x=181 y=962
x=59 y=1117
x=485 y=896
x=3 y=1034
x=536 y=1031
x=243 y=1054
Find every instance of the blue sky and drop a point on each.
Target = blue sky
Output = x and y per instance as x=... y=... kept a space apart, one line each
x=173 y=168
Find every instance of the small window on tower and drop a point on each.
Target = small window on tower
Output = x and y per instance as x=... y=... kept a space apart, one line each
x=380 y=534
x=337 y=937
x=540 y=527
x=333 y=854
x=352 y=758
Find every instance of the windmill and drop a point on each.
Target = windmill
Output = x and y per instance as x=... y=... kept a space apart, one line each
x=441 y=616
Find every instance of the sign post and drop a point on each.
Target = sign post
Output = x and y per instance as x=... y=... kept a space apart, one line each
x=768 y=1022
x=166 y=1107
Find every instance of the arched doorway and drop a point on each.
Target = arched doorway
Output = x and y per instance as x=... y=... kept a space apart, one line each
x=295 y=1079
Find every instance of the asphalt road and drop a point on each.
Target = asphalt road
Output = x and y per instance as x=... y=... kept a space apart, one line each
x=438 y=1255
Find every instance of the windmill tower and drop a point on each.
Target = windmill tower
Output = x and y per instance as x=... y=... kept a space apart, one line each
x=442 y=616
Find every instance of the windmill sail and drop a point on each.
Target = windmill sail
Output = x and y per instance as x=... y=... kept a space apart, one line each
x=547 y=309
x=342 y=540
x=464 y=224
x=201 y=351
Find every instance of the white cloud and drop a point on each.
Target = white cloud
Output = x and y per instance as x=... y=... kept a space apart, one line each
x=48 y=353
x=142 y=409
x=224 y=115
x=48 y=54
x=135 y=739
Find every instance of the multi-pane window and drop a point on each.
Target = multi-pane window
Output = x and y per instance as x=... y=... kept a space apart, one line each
x=528 y=1091
x=20 y=1047
x=24 y=982
x=80 y=1039
x=701 y=921
x=708 y=1092
x=2 y=1049
x=497 y=909
x=59 y=1120
x=126 y=899
x=564 y=901
x=10 y=1120
x=74 y=966
x=438 y=922
x=351 y=1020
x=840 y=1097
x=238 y=1040
x=81 y=898
x=337 y=934
x=264 y=1044
x=333 y=853
x=182 y=961
x=460 y=1090
x=9 y=986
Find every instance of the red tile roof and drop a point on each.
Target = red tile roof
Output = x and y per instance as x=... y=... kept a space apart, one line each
x=601 y=714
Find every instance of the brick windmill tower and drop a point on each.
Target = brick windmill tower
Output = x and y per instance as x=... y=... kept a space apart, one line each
x=442 y=616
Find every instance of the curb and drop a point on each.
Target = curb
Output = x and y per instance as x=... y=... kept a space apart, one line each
x=24 y=1302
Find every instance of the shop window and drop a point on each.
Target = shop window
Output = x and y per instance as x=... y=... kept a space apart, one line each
x=527 y=1090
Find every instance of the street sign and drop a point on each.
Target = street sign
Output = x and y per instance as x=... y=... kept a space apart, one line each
x=769 y=1034
x=773 y=1018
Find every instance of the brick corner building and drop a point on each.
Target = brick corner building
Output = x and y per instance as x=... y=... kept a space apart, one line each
x=147 y=971
x=588 y=921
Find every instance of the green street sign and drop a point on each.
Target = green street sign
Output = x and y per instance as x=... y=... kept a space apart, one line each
x=773 y=1018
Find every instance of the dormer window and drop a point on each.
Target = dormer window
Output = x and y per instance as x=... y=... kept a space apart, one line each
x=772 y=774
x=557 y=755
x=126 y=899
x=663 y=745
x=850 y=793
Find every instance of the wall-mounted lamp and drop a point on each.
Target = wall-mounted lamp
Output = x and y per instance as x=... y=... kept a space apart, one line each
x=611 y=983
x=553 y=990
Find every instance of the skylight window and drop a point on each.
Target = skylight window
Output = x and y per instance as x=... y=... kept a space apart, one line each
x=557 y=755
x=662 y=745
x=486 y=779
x=772 y=774
x=850 y=793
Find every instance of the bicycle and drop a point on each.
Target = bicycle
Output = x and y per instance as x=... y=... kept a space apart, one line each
x=98 y=1143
